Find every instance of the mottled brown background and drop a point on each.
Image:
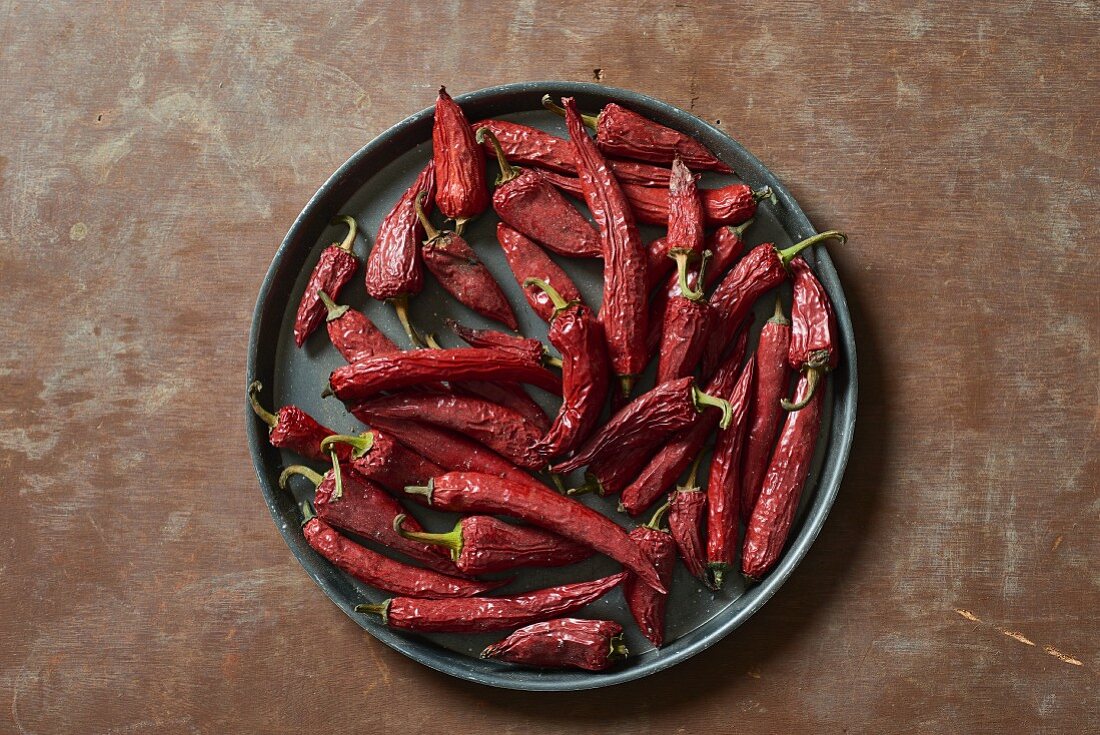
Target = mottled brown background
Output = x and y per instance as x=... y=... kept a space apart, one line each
x=152 y=155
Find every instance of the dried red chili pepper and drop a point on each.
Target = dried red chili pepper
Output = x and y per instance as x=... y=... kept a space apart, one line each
x=611 y=473
x=565 y=643
x=473 y=492
x=353 y=335
x=622 y=132
x=770 y=524
x=378 y=457
x=813 y=328
x=623 y=312
x=291 y=427
x=483 y=544
x=723 y=485
x=528 y=203
x=527 y=260
x=457 y=268
x=646 y=604
x=462 y=192
x=685 y=522
x=526 y=347
x=334 y=269
x=481 y=614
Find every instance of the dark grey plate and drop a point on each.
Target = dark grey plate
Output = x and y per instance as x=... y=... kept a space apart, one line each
x=366 y=187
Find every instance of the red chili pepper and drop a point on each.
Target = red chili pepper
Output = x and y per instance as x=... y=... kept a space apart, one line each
x=291 y=428
x=365 y=378
x=527 y=260
x=462 y=193
x=647 y=605
x=472 y=492
x=353 y=335
x=813 y=329
x=770 y=524
x=526 y=347
x=772 y=378
x=510 y=396
x=565 y=643
x=457 y=268
x=611 y=473
x=480 y=614
x=334 y=269
x=622 y=132
x=623 y=312
x=578 y=336
x=723 y=485
x=378 y=457
x=483 y=544
x=685 y=522
x=527 y=202
x=394 y=271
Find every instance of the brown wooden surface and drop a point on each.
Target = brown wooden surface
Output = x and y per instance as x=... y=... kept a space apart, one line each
x=153 y=157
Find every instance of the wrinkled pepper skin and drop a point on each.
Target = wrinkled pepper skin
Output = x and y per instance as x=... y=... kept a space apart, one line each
x=686 y=325
x=510 y=396
x=394 y=268
x=527 y=260
x=292 y=428
x=685 y=524
x=611 y=473
x=355 y=336
x=461 y=190
x=625 y=133
x=565 y=643
x=525 y=347
x=335 y=268
x=646 y=604
x=813 y=327
x=685 y=212
x=529 y=204
x=392 y=465
x=462 y=274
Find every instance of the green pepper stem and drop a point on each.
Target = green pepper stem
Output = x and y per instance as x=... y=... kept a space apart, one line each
x=360 y=444
x=626 y=383
x=299 y=469
x=378 y=608
x=268 y=418
x=787 y=255
x=560 y=304
x=765 y=193
x=552 y=361
x=682 y=257
x=813 y=377
x=507 y=170
x=591 y=485
x=460 y=225
x=429 y=228
x=658 y=516
x=451 y=540
x=308 y=514
x=701 y=400
x=353 y=227
x=692 y=478
x=335 y=311
x=739 y=230
x=337 y=475
x=618 y=648
x=425 y=490
x=716 y=575
x=778 y=317
x=431 y=342
x=401 y=306
x=591 y=121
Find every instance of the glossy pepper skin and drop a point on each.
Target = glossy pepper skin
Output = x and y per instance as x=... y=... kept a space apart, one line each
x=352 y=333
x=770 y=524
x=685 y=523
x=511 y=396
x=334 y=269
x=461 y=189
x=565 y=643
x=292 y=428
x=646 y=604
x=813 y=330
x=526 y=347
x=482 y=544
x=472 y=492
x=623 y=312
x=527 y=261
x=481 y=614
x=378 y=457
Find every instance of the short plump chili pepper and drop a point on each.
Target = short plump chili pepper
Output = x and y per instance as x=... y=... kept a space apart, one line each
x=813 y=331
x=527 y=260
x=527 y=347
x=623 y=312
x=378 y=457
x=612 y=473
x=723 y=485
x=482 y=544
x=473 y=492
x=462 y=274
x=623 y=132
x=685 y=522
x=564 y=643
x=578 y=336
x=352 y=333
x=461 y=189
x=646 y=604
x=481 y=614
x=773 y=376
x=530 y=204
x=394 y=267
x=335 y=267
x=292 y=428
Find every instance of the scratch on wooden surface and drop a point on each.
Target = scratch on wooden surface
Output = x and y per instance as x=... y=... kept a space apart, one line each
x=968 y=615
x=1065 y=657
x=1020 y=638
x=1057 y=542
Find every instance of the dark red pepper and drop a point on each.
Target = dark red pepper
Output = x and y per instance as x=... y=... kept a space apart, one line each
x=461 y=190
x=527 y=260
x=378 y=457
x=292 y=428
x=565 y=643
x=646 y=604
x=813 y=331
x=334 y=269
x=353 y=335
x=510 y=396
x=526 y=347
x=685 y=522
x=611 y=473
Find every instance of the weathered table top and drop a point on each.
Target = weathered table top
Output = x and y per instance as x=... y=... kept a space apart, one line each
x=154 y=155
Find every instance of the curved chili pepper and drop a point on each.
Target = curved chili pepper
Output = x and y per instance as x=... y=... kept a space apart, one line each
x=578 y=336
x=394 y=271
x=623 y=312
x=481 y=614
x=565 y=643
x=723 y=485
x=334 y=269
x=622 y=132
x=457 y=268
x=353 y=335
x=813 y=328
x=527 y=202
x=527 y=260
x=612 y=473
x=685 y=522
x=291 y=428
x=526 y=347
x=473 y=492
x=462 y=192
x=482 y=544
x=772 y=378
x=646 y=604
x=376 y=456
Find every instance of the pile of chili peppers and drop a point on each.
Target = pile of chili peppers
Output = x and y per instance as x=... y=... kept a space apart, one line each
x=456 y=430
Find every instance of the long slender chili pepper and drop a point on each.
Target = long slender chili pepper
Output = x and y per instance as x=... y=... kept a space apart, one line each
x=646 y=604
x=527 y=260
x=378 y=457
x=334 y=269
x=527 y=202
x=623 y=312
x=772 y=378
x=365 y=378
x=565 y=643
x=462 y=192
x=813 y=331
x=472 y=492
x=526 y=347
x=578 y=336
x=457 y=268
x=761 y=270
x=353 y=335
x=647 y=421
x=482 y=544
x=623 y=132
x=723 y=485
x=685 y=522
x=291 y=427
x=480 y=614
x=770 y=524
